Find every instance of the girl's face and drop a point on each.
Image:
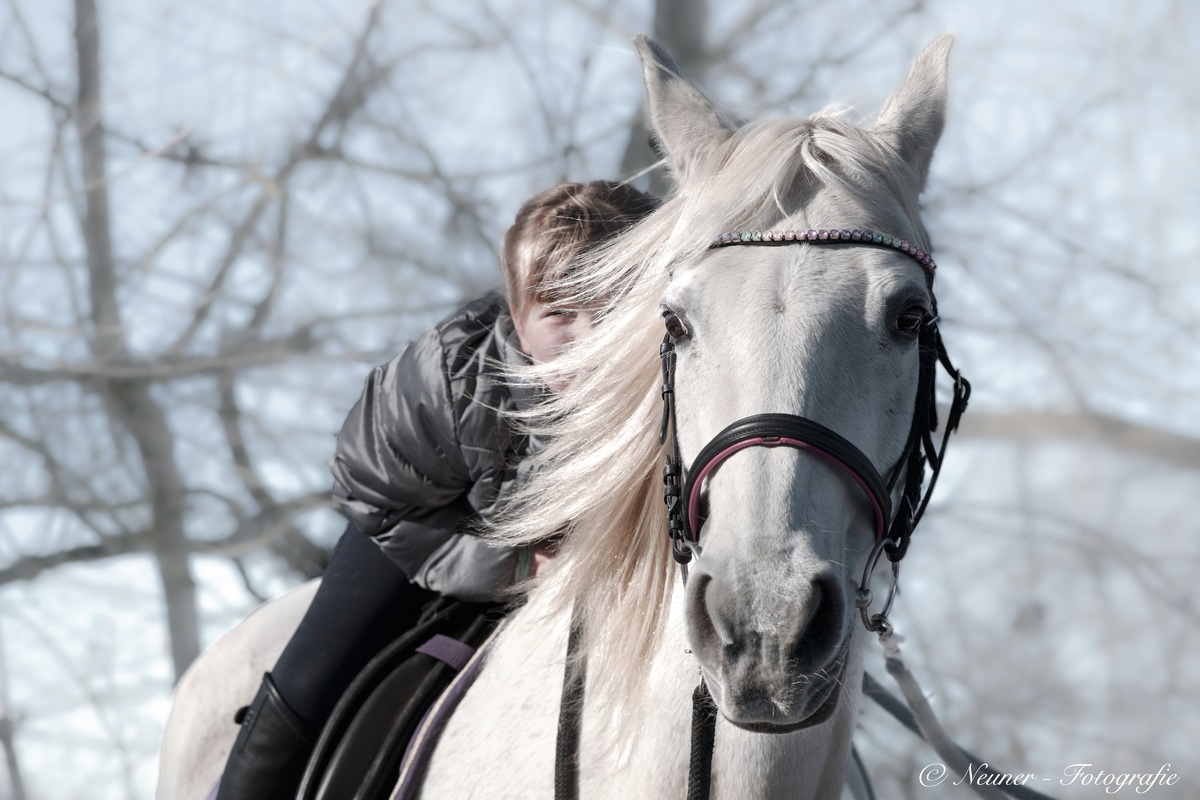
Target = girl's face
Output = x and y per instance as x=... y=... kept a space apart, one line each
x=545 y=331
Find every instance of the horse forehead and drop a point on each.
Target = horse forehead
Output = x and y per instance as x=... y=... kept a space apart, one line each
x=794 y=282
x=777 y=319
x=806 y=312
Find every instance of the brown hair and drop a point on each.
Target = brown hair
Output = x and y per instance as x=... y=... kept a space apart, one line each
x=557 y=225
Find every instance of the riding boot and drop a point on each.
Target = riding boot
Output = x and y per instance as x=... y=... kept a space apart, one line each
x=271 y=751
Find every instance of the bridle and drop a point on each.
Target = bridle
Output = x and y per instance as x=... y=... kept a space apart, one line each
x=893 y=532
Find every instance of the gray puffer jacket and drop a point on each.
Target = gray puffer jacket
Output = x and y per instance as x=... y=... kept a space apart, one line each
x=425 y=454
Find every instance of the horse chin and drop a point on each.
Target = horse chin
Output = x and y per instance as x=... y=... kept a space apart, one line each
x=758 y=713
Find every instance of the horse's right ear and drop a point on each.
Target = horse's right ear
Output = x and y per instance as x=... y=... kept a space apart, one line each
x=682 y=120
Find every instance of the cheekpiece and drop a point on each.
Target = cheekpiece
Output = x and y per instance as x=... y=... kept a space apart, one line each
x=829 y=237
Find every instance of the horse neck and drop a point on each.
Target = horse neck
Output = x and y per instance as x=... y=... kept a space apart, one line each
x=644 y=752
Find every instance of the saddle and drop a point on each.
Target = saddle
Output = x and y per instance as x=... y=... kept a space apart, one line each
x=360 y=750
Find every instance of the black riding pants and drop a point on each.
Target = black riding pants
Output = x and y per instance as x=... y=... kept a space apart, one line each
x=364 y=603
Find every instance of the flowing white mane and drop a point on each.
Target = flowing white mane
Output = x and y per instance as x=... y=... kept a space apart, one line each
x=599 y=477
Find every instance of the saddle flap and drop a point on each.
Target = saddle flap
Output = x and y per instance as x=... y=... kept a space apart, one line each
x=359 y=752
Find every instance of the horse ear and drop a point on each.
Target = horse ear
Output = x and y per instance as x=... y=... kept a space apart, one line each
x=684 y=122
x=913 y=118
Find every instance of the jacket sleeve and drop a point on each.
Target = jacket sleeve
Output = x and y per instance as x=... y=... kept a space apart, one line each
x=401 y=477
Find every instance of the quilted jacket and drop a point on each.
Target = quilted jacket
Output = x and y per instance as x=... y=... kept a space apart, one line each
x=425 y=455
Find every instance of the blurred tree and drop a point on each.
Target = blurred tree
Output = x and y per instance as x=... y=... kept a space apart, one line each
x=127 y=380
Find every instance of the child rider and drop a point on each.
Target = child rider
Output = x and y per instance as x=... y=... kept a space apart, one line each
x=425 y=455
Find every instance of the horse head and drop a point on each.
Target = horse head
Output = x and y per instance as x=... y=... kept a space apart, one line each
x=815 y=326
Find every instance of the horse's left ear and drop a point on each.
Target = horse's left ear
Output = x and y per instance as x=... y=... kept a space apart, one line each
x=685 y=123
x=913 y=118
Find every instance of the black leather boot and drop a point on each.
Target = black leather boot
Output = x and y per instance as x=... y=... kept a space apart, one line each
x=271 y=751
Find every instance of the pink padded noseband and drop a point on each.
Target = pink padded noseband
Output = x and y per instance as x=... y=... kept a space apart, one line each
x=693 y=501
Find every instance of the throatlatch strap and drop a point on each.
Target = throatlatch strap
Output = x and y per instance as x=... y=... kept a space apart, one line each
x=704 y=736
x=570 y=711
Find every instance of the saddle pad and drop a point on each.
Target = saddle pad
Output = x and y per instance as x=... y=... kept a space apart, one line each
x=421 y=746
x=359 y=752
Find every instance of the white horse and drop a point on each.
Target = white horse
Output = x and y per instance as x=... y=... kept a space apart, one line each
x=767 y=618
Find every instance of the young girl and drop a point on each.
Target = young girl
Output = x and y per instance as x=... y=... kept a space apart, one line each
x=425 y=455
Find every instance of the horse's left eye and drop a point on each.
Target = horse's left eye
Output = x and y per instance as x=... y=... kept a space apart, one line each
x=676 y=327
x=911 y=320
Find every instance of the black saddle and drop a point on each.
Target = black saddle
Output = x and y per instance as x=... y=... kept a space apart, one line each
x=360 y=749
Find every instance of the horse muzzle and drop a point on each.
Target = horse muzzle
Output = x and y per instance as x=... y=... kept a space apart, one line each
x=776 y=670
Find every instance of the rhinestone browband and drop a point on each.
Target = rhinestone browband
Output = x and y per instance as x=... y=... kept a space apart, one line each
x=818 y=237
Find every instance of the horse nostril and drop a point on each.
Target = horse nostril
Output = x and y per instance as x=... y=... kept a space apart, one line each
x=821 y=631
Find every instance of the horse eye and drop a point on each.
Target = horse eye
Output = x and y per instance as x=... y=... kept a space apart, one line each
x=675 y=326
x=911 y=320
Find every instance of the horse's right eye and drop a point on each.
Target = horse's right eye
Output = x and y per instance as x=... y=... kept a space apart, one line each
x=676 y=328
x=911 y=320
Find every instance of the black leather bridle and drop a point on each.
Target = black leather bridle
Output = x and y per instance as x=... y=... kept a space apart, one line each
x=893 y=532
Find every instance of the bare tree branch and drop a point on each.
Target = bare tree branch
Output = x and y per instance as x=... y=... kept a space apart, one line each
x=349 y=96
x=40 y=91
x=29 y=567
x=261 y=530
x=247 y=354
x=1025 y=425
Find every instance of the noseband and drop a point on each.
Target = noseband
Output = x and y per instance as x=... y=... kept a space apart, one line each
x=892 y=532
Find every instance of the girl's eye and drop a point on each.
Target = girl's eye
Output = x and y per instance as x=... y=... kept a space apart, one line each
x=911 y=320
x=676 y=327
x=562 y=313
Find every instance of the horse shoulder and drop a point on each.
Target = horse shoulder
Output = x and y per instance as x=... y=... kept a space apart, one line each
x=500 y=741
